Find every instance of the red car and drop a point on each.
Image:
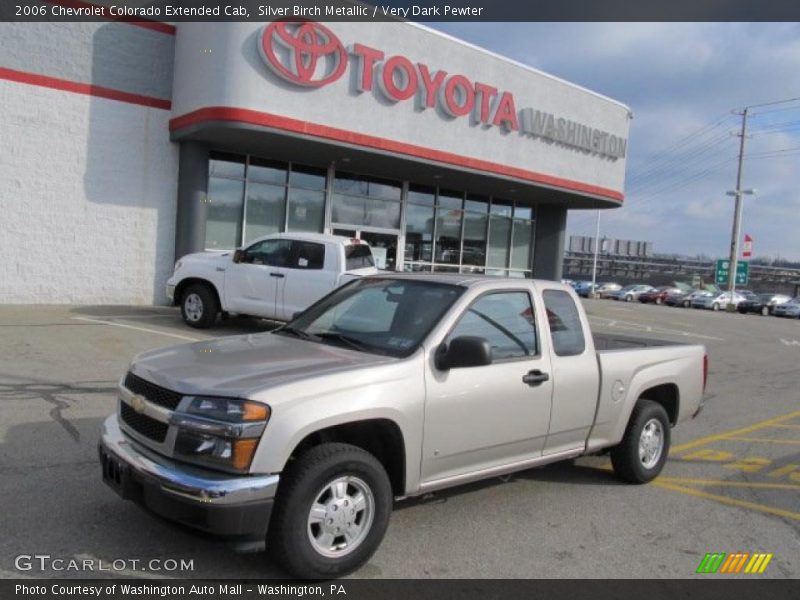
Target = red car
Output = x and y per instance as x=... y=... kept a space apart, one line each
x=658 y=296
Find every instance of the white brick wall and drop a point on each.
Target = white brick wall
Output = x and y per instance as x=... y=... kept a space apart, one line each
x=87 y=199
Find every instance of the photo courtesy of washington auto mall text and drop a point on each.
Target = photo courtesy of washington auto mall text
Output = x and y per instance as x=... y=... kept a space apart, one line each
x=399 y=300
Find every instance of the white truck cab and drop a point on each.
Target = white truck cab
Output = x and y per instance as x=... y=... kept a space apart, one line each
x=272 y=277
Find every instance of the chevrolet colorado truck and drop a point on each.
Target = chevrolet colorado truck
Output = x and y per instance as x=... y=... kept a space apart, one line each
x=396 y=385
x=273 y=277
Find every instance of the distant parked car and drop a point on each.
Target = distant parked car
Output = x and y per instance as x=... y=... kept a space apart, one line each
x=631 y=292
x=604 y=290
x=788 y=309
x=584 y=288
x=685 y=300
x=718 y=301
x=762 y=303
x=658 y=296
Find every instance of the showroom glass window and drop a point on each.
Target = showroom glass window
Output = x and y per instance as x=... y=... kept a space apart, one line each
x=250 y=197
x=419 y=227
x=360 y=201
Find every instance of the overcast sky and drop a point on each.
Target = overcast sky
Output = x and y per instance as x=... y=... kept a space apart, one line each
x=683 y=79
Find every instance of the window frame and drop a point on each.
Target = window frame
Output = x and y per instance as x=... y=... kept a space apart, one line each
x=536 y=329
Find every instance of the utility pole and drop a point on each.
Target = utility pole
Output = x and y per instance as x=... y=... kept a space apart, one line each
x=596 y=249
x=737 y=216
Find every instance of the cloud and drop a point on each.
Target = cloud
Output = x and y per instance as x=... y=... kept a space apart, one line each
x=678 y=78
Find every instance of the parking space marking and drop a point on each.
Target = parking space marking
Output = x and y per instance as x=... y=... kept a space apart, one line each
x=144 y=329
x=763 y=440
x=724 y=483
x=780 y=512
x=634 y=326
x=728 y=434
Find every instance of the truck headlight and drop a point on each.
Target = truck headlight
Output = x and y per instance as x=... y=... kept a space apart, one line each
x=228 y=409
x=220 y=433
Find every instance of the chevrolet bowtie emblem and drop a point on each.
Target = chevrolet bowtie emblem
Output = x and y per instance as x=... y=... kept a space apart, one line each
x=138 y=404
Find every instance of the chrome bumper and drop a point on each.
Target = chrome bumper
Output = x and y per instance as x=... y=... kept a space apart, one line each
x=183 y=481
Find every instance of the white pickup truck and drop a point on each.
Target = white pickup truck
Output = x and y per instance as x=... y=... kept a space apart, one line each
x=393 y=385
x=273 y=277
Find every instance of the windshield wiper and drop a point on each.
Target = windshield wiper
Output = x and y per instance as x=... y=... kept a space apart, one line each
x=303 y=335
x=345 y=339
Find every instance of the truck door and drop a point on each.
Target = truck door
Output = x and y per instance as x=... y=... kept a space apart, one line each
x=252 y=285
x=309 y=274
x=576 y=375
x=482 y=417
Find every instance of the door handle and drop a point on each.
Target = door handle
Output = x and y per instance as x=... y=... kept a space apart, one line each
x=281 y=275
x=535 y=377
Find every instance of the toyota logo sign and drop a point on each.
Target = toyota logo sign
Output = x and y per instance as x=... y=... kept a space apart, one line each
x=304 y=53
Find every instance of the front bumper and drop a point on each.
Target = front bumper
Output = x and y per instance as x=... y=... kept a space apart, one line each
x=232 y=506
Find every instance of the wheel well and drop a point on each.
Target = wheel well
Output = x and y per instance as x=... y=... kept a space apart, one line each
x=380 y=437
x=666 y=395
x=181 y=287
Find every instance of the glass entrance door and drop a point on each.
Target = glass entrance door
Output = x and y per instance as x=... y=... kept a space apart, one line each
x=384 y=245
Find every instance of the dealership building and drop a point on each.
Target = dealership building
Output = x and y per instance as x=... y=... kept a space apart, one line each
x=125 y=145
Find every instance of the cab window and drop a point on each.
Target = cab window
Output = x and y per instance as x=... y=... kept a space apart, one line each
x=505 y=320
x=565 y=323
x=307 y=255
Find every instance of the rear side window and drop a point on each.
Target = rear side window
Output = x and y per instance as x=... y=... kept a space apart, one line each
x=358 y=256
x=565 y=323
x=307 y=255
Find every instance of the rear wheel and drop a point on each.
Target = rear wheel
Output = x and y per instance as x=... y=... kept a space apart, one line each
x=642 y=453
x=628 y=298
x=686 y=304
x=332 y=512
x=658 y=301
x=199 y=306
x=715 y=306
x=765 y=311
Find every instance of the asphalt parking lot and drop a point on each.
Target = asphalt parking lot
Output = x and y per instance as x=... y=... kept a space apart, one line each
x=732 y=483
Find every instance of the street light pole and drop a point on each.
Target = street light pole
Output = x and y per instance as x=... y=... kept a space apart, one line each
x=737 y=216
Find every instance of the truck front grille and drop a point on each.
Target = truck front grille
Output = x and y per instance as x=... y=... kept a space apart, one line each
x=154 y=393
x=147 y=426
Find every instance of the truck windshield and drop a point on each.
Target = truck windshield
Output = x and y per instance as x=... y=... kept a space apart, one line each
x=381 y=316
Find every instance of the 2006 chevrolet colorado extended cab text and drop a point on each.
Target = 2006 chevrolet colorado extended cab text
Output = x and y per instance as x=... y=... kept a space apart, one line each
x=390 y=386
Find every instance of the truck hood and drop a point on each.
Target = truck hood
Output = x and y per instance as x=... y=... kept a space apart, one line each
x=245 y=364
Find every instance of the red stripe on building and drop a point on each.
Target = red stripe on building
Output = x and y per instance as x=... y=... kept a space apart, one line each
x=252 y=117
x=135 y=21
x=83 y=88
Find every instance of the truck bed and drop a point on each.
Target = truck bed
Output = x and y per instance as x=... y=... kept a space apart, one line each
x=611 y=341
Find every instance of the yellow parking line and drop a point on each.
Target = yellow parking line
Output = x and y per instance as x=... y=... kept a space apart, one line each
x=731 y=501
x=722 y=483
x=725 y=435
x=764 y=440
x=784 y=426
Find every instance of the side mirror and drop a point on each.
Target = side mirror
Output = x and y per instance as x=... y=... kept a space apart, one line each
x=464 y=351
x=239 y=255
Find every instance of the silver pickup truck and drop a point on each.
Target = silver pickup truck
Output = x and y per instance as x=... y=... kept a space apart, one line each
x=390 y=386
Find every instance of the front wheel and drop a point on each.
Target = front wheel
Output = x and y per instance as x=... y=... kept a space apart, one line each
x=658 y=300
x=641 y=454
x=685 y=304
x=629 y=298
x=331 y=513
x=715 y=306
x=199 y=306
x=765 y=311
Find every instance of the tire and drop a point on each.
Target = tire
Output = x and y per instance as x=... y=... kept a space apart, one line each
x=634 y=462
x=715 y=306
x=765 y=311
x=659 y=300
x=686 y=304
x=199 y=306
x=628 y=298
x=297 y=544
